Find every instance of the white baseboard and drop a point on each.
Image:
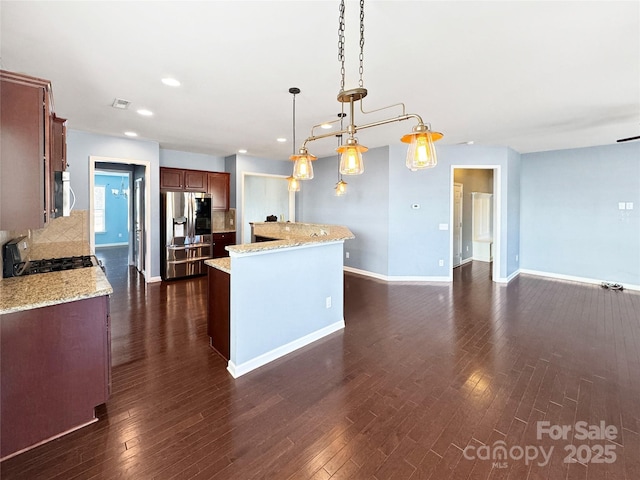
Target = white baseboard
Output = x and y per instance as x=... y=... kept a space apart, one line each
x=509 y=278
x=154 y=279
x=397 y=278
x=573 y=278
x=238 y=370
x=465 y=261
x=121 y=244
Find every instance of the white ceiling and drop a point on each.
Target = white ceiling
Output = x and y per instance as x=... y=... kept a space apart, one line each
x=538 y=75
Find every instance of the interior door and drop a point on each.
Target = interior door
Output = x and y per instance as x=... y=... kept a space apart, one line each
x=139 y=247
x=457 y=224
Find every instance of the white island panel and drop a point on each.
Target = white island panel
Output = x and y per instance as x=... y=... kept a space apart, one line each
x=279 y=301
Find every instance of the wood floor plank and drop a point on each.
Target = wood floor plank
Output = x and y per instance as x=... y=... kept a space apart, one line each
x=420 y=372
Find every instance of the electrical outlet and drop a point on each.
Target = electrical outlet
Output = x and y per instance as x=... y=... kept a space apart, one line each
x=346 y=254
x=467 y=248
x=629 y=205
x=119 y=235
x=231 y=221
x=287 y=229
x=327 y=302
x=441 y=263
x=517 y=258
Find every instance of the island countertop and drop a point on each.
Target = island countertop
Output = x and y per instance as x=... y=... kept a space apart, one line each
x=291 y=234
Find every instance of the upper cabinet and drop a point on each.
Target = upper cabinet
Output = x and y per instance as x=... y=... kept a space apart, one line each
x=171 y=179
x=58 y=144
x=214 y=183
x=219 y=190
x=26 y=136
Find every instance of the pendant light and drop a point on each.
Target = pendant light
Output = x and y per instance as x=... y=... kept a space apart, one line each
x=302 y=167
x=421 y=152
x=341 y=186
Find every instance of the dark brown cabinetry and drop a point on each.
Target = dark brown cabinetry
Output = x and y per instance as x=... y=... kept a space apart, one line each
x=195 y=181
x=221 y=240
x=58 y=144
x=34 y=146
x=55 y=365
x=219 y=190
x=214 y=183
x=24 y=158
x=171 y=179
x=218 y=311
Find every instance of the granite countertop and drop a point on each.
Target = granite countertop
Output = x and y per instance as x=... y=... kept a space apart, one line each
x=46 y=289
x=230 y=230
x=223 y=263
x=291 y=234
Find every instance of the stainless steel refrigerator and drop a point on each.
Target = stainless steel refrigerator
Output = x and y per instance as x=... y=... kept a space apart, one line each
x=186 y=234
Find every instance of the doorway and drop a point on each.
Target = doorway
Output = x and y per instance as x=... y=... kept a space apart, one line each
x=264 y=195
x=458 y=189
x=476 y=237
x=135 y=251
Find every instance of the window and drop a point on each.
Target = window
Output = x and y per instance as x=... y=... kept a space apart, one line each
x=99 y=209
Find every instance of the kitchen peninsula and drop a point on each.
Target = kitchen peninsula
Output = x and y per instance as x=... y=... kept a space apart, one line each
x=275 y=296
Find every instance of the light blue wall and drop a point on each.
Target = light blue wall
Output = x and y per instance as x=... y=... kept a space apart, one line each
x=392 y=238
x=364 y=209
x=570 y=222
x=193 y=161
x=276 y=300
x=116 y=210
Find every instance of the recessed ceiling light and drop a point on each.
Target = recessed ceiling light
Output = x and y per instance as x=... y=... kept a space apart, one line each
x=171 y=82
x=145 y=113
x=326 y=126
x=281 y=139
x=242 y=150
x=131 y=134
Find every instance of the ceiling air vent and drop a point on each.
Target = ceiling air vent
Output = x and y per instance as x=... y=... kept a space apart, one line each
x=120 y=103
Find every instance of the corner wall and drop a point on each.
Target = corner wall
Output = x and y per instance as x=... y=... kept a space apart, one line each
x=571 y=224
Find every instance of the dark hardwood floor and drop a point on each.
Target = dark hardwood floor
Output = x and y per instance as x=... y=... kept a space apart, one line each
x=426 y=381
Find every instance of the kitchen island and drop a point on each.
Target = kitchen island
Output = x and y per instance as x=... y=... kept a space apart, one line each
x=271 y=298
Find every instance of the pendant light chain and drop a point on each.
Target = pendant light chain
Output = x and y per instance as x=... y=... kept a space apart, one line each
x=360 y=83
x=294 y=124
x=341 y=45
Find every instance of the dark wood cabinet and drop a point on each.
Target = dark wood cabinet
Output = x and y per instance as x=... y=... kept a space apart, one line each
x=219 y=190
x=55 y=365
x=221 y=240
x=195 y=181
x=215 y=184
x=218 y=311
x=25 y=190
x=58 y=144
x=171 y=179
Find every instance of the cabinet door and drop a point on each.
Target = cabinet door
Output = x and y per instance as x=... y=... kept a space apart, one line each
x=195 y=180
x=219 y=190
x=221 y=240
x=171 y=179
x=58 y=144
x=24 y=172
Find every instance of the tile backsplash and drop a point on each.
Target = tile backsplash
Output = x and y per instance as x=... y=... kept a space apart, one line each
x=224 y=221
x=74 y=228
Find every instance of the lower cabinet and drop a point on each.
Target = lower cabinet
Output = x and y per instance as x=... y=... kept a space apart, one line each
x=55 y=368
x=220 y=241
x=218 y=311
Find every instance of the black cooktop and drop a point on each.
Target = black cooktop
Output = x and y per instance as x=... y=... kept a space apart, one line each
x=58 y=264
